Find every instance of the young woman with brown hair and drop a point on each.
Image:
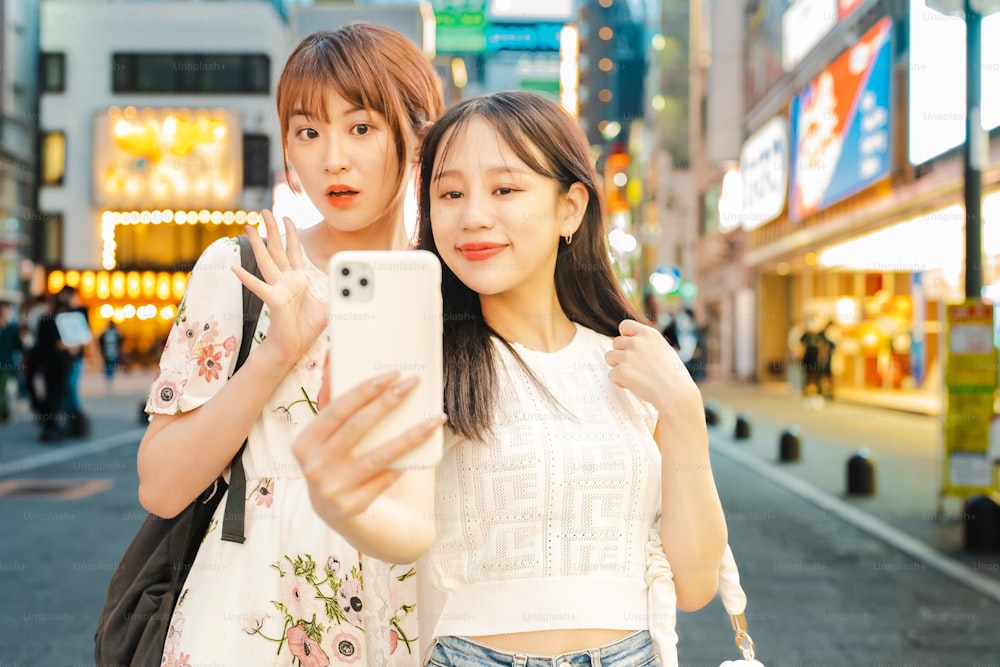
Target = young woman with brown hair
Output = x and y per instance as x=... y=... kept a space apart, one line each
x=352 y=104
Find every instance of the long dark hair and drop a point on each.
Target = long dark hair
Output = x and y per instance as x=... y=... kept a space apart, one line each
x=585 y=282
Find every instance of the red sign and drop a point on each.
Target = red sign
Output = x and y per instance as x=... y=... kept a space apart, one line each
x=971 y=312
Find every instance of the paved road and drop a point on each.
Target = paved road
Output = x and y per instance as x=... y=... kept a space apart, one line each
x=822 y=591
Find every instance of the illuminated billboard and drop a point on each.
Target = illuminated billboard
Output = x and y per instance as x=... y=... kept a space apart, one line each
x=840 y=126
x=937 y=80
x=167 y=158
x=550 y=10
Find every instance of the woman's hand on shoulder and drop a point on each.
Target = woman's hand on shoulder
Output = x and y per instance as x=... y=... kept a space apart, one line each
x=341 y=484
x=643 y=362
x=297 y=317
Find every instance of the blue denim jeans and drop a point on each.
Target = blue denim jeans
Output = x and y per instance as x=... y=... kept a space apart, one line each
x=633 y=650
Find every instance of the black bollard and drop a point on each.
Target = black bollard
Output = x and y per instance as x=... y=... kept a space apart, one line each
x=742 y=429
x=789 y=445
x=982 y=523
x=860 y=475
x=711 y=415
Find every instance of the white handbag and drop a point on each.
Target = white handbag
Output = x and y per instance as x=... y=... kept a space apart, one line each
x=662 y=604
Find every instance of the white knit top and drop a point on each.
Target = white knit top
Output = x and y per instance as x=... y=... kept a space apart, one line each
x=544 y=525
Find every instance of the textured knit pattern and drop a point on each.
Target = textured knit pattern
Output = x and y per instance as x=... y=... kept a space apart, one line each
x=292 y=594
x=544 y=525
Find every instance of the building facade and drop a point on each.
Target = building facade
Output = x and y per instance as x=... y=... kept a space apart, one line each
x=19 y=35
x=158 y=135
x=848 y=207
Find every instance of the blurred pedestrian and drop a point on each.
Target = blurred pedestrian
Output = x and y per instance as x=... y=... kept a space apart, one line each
x=684 y=334
x=10 y=359
x=54 y=361
x=811 y=342
x=827 y=345
x=793 y=358
x=39 y=306
x=110 y=345
x=68 y=301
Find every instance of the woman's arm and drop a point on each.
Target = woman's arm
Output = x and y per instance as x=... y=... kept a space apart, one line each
x=692 y=524
x=181 y=454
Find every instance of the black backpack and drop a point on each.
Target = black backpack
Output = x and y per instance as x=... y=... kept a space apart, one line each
x=143 y=591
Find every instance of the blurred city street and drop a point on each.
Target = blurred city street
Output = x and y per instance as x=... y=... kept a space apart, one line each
x=794 y=192
x=831 y=581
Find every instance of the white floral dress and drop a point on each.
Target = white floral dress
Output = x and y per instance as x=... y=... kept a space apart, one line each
x=292 y=593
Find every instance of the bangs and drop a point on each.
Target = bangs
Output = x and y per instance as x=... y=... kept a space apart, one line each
x=326 y=66
x=513 y=135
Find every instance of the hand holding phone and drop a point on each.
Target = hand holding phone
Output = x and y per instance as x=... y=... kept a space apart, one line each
x=386 y=315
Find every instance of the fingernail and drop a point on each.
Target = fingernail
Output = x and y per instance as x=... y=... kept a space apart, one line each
x=382 y=380
x=406 y=385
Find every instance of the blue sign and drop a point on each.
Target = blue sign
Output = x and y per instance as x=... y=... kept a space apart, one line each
x=841 y=141
x=523 y=37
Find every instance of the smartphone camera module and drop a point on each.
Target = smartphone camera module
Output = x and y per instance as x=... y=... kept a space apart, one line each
x=354 y=282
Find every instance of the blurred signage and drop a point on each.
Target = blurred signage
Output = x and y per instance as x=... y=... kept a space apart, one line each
x=763 y=47
x=803 y=26
x=764 y=173
x=549 y=10
x=937 y=80
x=167 y=158
x=970 y=384
x=840 y=126
x=461 y=26
x=523 y=37
x=846 y=7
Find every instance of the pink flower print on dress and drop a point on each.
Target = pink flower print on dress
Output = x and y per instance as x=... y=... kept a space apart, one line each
x=229 y=345
x=265 y=492
x=208 y=363
x=209 y=332
x=348 y=647
x=180 y=660
x=165 y=394
x=189 y=331
x=305 y=649
x=393 y=641
x=349 y=599
x=294 y=592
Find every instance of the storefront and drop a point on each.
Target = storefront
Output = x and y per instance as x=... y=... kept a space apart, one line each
x=872 y=239
x=183 y=167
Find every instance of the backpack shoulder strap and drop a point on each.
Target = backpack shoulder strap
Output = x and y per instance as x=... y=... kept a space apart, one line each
x=233 y=520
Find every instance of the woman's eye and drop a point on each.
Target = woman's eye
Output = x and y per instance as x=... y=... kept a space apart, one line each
x=451 y=194
x=504 y=191
x=362 y=128
x=307 y=133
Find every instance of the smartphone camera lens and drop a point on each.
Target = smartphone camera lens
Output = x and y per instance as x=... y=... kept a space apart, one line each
x=345 y=271
x=345 y=292
x=364 y=282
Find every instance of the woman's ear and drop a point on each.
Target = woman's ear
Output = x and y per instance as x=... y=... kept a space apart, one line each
x=575 y=203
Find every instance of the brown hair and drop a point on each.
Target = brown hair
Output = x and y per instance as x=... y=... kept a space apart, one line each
x=549 y=142
x=368 y=65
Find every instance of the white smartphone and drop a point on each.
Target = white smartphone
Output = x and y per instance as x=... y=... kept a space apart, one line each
x=385 y=315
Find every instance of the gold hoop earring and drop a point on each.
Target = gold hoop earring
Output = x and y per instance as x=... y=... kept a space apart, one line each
x=568 y=238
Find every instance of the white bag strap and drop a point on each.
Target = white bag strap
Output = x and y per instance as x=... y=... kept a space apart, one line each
x=662 y=601
x=734 y=599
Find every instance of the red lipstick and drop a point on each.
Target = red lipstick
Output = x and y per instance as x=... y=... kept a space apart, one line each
x=477 y=252
x=340 y=196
